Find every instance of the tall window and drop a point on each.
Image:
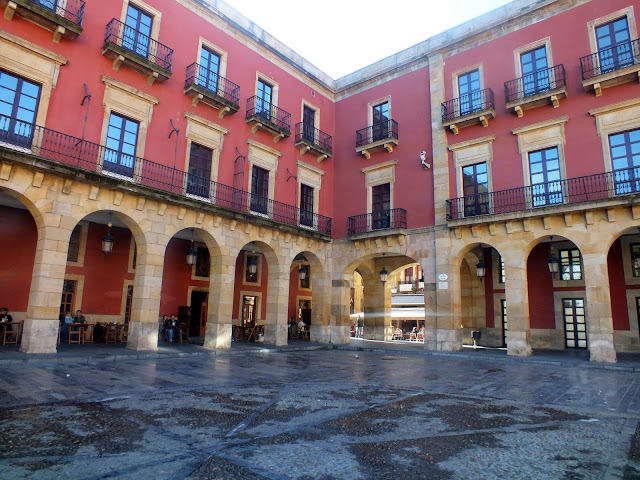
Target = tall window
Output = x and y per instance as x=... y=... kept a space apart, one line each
x=475 y=188
x=501 y=276
x=68 y=292
x=264 y=100
x=381 y=206
x=209 y=69
x=575 y=326
x=309 y=124
x=203 y=262
x=18 y=108
x=625 y=161
x=535 y=73
x=128 y=303
x=570 y=265
x=380 y=125
x=306 y=205
x=635 y=259
x=544 y=170
x=503 y=309
x=199 y=177
x=259 y=189
x=137 y=31
x=469 y=90
x=614 y=47
x=122 y=137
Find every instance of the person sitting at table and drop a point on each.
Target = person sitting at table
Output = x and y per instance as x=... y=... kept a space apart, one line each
x=397 y=334
x=293 y=328
x=79 y=318
x=174 y=328
x=98 y=333
x=66 y=320
x=166 y=324
x=6 y=318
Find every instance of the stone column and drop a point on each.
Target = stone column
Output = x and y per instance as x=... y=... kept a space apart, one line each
x=339 y=321
x=599 y=318
x=221 y=284
x=40 y=329
x=145 y=306
x=377 y=308
x=275 y=325
x=517 y=296
x=320 y=317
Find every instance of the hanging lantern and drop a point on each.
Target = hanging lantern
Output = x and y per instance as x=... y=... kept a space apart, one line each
x=191 y=255
x=480 y=270
x=107 y=241
x=383 y=275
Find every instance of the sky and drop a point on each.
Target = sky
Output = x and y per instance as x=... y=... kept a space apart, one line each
x=342 y=36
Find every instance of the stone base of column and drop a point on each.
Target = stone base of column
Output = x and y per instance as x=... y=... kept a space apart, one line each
x=39 y=336
x=336 y=335
x=277 y=335
x=518 y=343
x=218 y=335
x=374 y=332
x=442 y=339
x=601 y=348
x=143 y=336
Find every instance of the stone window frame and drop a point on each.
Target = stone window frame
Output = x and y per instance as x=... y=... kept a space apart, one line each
x=371 y=105
x=222 y=53
x=275 y=87
x=265 y=157
x=132 y=251
x=146 y=8
x=626 y=241
x=462 y=71
x=123 y=303
x=197 y=246
x=558 y=282
x=631 y=295
x=130 y=102
x=610 y=17
x=34 y=63
x=615 y=118
x=245 y=263
x=558 y=295
x=82 y=246
x=540 y=136
x=517 y=59
x=472 y=152
x=311 y=176
x=379 y=174
x=79 y=291
x=258 y=305
x=208 y=134
x=316 y=110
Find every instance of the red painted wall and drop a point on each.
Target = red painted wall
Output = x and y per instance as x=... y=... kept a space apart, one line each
x=294 y=292
x=617 y=287
x=239 y=286
x=541 y=313
x=18 y=240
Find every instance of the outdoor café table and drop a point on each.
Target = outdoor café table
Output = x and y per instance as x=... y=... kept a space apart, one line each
x=112 y=332
x=75 y=330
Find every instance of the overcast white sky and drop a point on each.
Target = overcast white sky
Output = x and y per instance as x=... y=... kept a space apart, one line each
x=341 y=36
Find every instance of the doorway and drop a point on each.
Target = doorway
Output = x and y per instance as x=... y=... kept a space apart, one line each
x=304 y=311
x=249 y=304
x=575 y=327
x=198 y=320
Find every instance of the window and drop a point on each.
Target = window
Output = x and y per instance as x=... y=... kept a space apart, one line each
x=18 y=109
x=128 y=303
x=381 y=206
x=380 y=126
x=306 y=205
x=544 y=170
x=575 y=327
x=309 y=124
x=535 y=73
x=469 y=90
x=68 y=293
x=137 y=31
x=74 y=245
x=625 y=161
x=199 y=174
x=614 y=47
x=635 y=259
x=264 y=100
x=475 y=185
x=259 y=189
x=501 y=276
x=570 y=265
x=203 y=262
x=122 y=137
x=209 y=69
x=503 y=309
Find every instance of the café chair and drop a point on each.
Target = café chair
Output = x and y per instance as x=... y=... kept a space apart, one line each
x=185 y=333
x=88 y=333
x=124 y=334
x=75 y=334
x=110 y=334
x=12 y=336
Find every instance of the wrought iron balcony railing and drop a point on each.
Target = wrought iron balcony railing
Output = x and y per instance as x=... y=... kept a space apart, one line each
x=72 y=10
x=378 y=131
x=610 y=59
x=213 y=84
x=532 y=84
x=58 y=147
x=467 y=104
x=317 y=138
x=589 y=188
x=138 y=44
x=268 y=113
x=371 y=222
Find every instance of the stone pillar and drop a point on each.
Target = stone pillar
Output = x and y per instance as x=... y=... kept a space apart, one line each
x=145 y=306
x=275 y=325
x=320 y=316
x=598 y=302
x=40 y=330
x=517 y=296
x=221 y=284
x=377 y=308
x=339 y=321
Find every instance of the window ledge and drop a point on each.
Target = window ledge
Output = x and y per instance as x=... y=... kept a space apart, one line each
x=478 y=117
x=123 y=56
x=550 y=97
x=200 y=94
x=611 y=79
x=30 y=10
x=384 y=144
x=259 y=122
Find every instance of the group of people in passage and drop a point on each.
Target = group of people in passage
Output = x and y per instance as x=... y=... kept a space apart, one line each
x=296 y=327
x=67 y=320
x=5 y=318
x=171 y=328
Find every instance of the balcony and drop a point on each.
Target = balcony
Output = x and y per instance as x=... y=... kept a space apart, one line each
x=37 y=142
x=377 y=223
x=611 y=66
x=591 y=188
x=540 y=88
x=472 y=109
x=376 y=137
x=211 y=89
x=126 y=46
x=262 y=115
x=62 y=17
x=312 y=140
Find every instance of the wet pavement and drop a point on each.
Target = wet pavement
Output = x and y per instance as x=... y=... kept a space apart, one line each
x=309 y=412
